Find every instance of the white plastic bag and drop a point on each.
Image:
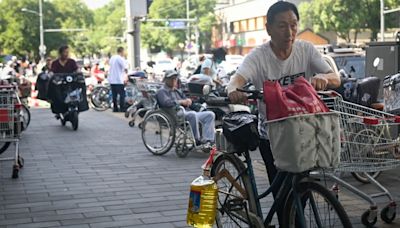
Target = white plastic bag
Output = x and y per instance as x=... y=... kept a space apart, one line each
x=304 y=142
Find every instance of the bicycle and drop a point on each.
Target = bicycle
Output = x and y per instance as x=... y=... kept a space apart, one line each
x=101 y=96
x=298 y=195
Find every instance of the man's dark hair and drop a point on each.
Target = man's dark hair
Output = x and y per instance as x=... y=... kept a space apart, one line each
x=120 y=49
x=62 y=49
x=281 y=7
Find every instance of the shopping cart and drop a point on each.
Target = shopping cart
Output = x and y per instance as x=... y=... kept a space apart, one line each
x=11 y=123
x=367 y=147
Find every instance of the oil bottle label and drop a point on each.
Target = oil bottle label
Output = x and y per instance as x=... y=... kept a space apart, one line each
x=194 y=201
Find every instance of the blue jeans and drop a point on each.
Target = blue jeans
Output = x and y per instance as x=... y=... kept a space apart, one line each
x=207 y=120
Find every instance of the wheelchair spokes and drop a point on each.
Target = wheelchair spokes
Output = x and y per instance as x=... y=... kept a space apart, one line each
x=158 y=133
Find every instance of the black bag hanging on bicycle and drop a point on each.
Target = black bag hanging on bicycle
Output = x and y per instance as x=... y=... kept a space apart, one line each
x=240 y=129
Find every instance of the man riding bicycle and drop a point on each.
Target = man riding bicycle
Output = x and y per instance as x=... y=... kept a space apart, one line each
x=283 y=58
x=170 y=97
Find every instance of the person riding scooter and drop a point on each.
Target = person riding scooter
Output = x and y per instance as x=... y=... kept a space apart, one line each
x=67 y=89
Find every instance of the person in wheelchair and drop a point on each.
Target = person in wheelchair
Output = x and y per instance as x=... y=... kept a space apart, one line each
x=169 y=96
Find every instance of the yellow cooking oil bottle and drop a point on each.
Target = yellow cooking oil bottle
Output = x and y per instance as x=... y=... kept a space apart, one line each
x=203 y=199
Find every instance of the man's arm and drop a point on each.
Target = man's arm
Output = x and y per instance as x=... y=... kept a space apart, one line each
x=237 y=81
x=326 y=81
x=165 y=100
x=325 y=77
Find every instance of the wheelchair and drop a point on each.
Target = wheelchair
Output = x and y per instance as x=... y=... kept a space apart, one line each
x=163 y=128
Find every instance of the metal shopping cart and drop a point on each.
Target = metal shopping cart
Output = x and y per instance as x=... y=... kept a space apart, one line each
x=11 y=123
x=367 y=148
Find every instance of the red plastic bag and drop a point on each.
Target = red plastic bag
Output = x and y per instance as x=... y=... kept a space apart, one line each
x=296 y=99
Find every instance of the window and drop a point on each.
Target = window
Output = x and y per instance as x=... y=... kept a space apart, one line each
x=251 y=24
x=236 y=27
x=243 y=26
x=260 y=23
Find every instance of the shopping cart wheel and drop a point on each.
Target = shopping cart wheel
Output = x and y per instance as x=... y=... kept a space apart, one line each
x=388 y=213
x=21 y=162
x=369 y=218
x=132 y=123
x=15 y=172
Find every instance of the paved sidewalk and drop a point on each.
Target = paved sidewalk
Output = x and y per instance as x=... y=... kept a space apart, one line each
x=102 y=176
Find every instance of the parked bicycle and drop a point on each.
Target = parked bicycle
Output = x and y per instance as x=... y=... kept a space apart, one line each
x=101 y=95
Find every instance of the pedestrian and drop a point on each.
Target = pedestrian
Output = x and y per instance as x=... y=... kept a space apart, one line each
x=284 y=59
x=117 y=78
x=209 y=66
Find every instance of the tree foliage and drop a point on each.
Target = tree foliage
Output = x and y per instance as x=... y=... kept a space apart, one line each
x=342 y=16
x=19 y=31
x=169 y=40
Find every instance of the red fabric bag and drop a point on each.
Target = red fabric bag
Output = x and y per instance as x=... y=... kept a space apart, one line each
x=296 y=99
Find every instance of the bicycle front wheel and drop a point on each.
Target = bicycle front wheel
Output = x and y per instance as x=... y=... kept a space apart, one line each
x=236 y=201
x=321 y=208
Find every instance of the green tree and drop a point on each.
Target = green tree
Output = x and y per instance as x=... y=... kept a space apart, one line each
x=169 y=40
x=19 y=31
x=108 y=30
x=75 y=14
x=342 y=16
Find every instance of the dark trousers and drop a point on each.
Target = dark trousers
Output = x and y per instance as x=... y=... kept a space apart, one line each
x=266 y=154
x=118 y=89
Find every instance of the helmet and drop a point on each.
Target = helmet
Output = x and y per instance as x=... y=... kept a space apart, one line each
x=240 y=129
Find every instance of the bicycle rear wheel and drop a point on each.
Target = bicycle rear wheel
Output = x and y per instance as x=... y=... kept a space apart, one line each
x=236 y=201
x=26 y=116
x=158 y=132
x=100 y=98
x=4 y=146
x=321 y=208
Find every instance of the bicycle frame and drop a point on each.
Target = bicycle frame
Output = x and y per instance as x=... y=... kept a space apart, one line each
x=284 y=182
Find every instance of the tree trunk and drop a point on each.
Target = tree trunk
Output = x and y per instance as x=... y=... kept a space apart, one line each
x=355 y=36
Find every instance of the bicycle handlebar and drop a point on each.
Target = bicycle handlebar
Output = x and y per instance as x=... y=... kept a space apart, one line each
x=254 y=94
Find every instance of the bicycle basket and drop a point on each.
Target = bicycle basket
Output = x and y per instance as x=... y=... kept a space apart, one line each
x=240 y=129
x=304 y=142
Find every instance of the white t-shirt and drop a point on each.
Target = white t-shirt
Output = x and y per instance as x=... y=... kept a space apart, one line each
x=262 y=64
x=208 y=63
x=116 y=73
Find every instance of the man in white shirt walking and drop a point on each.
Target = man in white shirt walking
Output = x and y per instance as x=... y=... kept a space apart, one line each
x=116 y=78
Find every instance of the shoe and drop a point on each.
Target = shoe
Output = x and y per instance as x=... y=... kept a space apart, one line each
x=199 y=142
x=58 y=116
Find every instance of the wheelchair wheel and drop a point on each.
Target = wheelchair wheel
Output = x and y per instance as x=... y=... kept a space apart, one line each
x=158 y=132
x=184 y=142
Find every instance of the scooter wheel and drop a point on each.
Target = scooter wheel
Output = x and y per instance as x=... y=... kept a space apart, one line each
x=75 y=121
x=131 y=123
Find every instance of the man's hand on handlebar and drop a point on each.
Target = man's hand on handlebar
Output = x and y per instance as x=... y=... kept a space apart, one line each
x=237 y=97
x=319 y=82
